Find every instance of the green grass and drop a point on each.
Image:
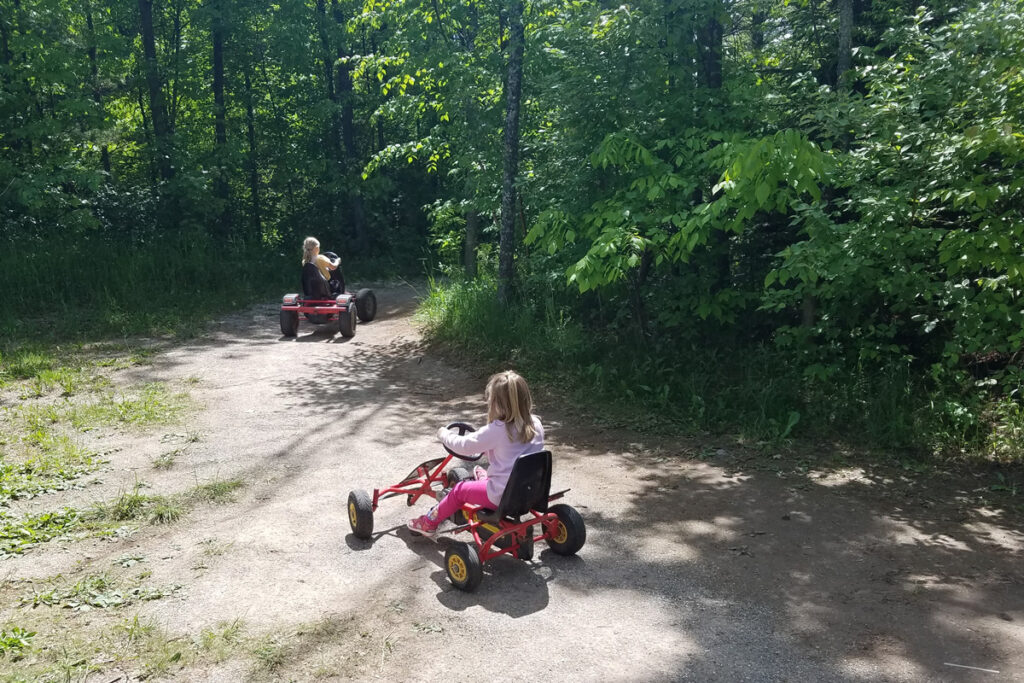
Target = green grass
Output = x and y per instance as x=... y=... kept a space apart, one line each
x=19 y=534
x=14 y=641
x=220 y=643
x=219 y=491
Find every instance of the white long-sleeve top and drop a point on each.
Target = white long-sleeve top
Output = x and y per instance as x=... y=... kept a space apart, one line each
x=501 y=451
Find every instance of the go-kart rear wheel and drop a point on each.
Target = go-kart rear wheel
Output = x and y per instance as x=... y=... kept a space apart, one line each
x=366 y=305
x=289 y=323
x=526 y=545
x=360 y=513
x=347 y=323
x=570 y=533
x=462 y=563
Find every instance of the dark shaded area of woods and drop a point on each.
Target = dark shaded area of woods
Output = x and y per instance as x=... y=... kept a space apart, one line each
x=834 y=184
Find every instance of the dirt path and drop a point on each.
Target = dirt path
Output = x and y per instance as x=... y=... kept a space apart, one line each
x=693 y=569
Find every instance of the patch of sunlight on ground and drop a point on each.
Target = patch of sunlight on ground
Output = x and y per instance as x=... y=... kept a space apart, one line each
x=840 y=477
x=1008 y=539
x=880 y=652
x=907 y=535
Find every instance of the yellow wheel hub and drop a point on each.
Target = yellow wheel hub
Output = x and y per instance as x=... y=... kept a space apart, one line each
x=457 y=568
x=352 y=514
x=561 y=534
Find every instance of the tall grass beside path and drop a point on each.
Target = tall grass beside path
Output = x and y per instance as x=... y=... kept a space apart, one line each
x=754 y=392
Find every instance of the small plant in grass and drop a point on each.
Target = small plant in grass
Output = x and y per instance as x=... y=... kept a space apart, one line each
x=269 y=654
x=14 y=641
x=221 y=641
x=165 y=511
x=96 y=591
x=127 y=506
x=18 y=534
x=147 y=646
x=165 y=461
x=219 y=491
x=135 y=629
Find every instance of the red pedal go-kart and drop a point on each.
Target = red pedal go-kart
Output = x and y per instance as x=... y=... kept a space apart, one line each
x=509 y=530
x=346 y=308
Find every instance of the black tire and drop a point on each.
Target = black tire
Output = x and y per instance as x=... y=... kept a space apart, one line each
x=526 y=546
x=366 y=305
x=462 y=564
x=347 y=323
x=571 y=533
x=289 y=323
x=360 y=513
x=457 y=475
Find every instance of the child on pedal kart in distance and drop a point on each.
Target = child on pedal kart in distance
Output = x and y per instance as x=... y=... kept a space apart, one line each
x=511 y=430
x=321 y=275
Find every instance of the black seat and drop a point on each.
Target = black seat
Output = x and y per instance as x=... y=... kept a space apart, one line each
x=528 y=488
x=314 y=286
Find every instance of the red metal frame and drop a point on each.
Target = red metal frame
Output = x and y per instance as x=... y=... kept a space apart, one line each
x=486 y=548
x=421 y=482
x=418 y=483
x=328 y=307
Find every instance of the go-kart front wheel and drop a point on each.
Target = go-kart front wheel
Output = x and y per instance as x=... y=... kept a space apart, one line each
x=347 y=322
x=360 y=513
x=366 y=305
x=570 y=532
x=462 y=563
x=289 y=323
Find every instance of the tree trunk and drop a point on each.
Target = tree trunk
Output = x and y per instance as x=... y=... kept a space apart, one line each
x=472 y=232
x=844 y=56
x=95 y=73
x=710 y=50
x=254 y=175
x=157 y=109
x=222 y=189
x=506 y=243
x=343 y=90
x=172 y=107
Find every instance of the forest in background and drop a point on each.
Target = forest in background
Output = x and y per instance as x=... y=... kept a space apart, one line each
x=772 y=218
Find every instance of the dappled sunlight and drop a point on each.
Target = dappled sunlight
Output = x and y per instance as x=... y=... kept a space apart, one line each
x=908 y=535
x=871 y=652
x=1011 y=540
x=840 y=477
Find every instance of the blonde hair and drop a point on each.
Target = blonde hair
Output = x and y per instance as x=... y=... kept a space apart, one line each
x=308 y=245
x=508 y=400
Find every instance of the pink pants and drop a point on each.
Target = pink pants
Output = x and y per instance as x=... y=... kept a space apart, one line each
x=474 y=492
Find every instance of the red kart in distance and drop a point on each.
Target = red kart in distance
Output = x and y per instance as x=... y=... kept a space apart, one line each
x=345 y=308
x=512 y=529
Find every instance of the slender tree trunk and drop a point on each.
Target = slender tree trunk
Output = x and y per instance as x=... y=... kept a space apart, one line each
x=254 y=175
x=506 y=243
x=844 y=57
x=172 y=114
x=157 y=109
x=472 y=233
x=222 y=189
x=710 y=48
x=95 y=73
x=343 y=89
x=333 y=149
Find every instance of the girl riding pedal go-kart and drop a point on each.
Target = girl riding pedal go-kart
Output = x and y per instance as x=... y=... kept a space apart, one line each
x=324 y=298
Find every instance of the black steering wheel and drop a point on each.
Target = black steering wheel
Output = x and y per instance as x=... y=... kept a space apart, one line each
x=463 y=429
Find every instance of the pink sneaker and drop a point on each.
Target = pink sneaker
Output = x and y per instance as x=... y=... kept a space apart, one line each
x=423 y=526
x=479 y=473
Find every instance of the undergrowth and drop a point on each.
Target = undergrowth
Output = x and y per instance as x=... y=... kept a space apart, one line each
x=759 y=393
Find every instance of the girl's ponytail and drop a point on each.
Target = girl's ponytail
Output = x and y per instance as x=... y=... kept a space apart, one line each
x=508 y=399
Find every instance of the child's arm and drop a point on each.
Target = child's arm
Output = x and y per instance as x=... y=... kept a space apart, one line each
x=471 y=443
